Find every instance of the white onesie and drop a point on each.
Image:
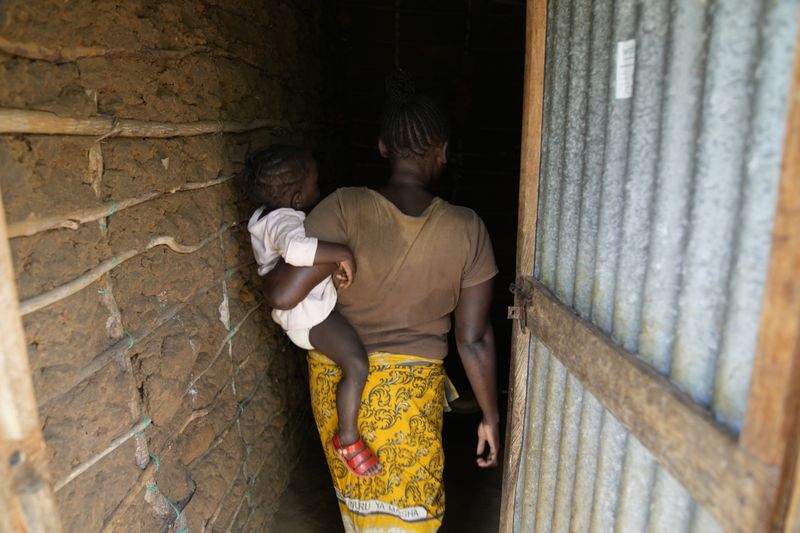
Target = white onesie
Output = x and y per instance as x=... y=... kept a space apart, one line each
x=281 y=234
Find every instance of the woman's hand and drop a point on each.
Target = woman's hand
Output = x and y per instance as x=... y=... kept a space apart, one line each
x=475 y=342
x=346 y=274
x=488 y=435
x=342 y=257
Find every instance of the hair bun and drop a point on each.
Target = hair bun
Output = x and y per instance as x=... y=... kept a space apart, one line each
x=400 y=87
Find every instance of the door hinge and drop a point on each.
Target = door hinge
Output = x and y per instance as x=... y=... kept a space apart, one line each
x=523 y=290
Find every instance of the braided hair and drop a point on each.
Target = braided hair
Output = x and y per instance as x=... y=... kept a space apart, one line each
x=273 y=172
x=411 y=122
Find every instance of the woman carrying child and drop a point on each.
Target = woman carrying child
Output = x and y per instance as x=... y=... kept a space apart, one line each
x=421 y=260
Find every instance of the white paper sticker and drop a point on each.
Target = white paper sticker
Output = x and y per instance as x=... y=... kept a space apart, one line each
x=626 y=62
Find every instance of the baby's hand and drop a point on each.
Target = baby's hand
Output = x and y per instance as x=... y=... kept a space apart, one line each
x=346 y=274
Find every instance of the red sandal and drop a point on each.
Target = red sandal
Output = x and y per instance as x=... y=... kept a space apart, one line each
x=361 y=457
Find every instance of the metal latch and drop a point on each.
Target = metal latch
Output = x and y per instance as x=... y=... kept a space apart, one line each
x=524 y=294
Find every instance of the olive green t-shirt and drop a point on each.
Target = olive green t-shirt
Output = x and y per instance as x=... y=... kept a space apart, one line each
x=410 y=270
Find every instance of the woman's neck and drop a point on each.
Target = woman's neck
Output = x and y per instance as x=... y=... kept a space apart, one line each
x=410 y=172
x=408 y=187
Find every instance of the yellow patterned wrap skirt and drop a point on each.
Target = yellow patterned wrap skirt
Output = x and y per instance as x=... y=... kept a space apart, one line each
x=401 y=421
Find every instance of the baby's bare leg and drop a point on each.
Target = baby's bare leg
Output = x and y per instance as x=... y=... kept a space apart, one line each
x=337 y=339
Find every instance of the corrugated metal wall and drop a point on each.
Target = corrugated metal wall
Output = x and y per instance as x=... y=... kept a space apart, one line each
x=654 y=223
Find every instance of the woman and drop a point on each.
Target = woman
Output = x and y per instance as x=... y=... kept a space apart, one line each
x=420 y=261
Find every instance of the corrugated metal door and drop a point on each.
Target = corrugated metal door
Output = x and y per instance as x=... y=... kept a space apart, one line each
x=658 y=130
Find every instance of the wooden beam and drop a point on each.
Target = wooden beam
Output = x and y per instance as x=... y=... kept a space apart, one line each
x=64 y=54
x=683 y=437
x=767 y=418
x=74 y=219
x=533 y=97
x=47 y=123
x=69 y=54
x=26 y=498
x=75 y=285
x=771 y=420
x=792 y=521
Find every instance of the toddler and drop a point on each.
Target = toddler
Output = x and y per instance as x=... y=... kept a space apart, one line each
x=283 y=179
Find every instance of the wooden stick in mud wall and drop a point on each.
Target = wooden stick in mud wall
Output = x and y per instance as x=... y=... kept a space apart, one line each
x=86 y=465
x=123 y=346
x=47 y=123
x=65 y=54
x=26 y=499
x=110 y=523
x=73 y=219
x=81 y=282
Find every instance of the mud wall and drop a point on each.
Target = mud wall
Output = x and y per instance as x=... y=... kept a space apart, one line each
x=168 y=398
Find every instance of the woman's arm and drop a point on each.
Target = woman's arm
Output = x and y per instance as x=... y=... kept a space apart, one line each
x=331 y=252
x=285 y=286
x=475 y=342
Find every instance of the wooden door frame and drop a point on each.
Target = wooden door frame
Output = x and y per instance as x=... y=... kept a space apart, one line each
x=530 y=157
x=26 y=496
x=770 y=429
x=750 y=482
